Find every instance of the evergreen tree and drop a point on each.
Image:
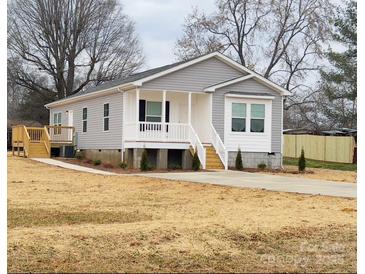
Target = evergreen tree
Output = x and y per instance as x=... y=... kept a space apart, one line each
x=196 y=161
x=301 y=162
x=339 y=85
x=239 y=164
x=144 y=161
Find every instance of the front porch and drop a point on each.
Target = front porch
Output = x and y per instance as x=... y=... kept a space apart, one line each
x=164 y=119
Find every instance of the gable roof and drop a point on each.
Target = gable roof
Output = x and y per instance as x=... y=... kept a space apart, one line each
x=137 y=79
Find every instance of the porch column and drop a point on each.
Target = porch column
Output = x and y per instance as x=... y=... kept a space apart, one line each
x=137 y=113
x=189 y=108
x=163 y=116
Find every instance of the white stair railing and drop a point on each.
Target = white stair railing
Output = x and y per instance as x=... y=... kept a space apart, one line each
x=196 y=144
x=219 y=147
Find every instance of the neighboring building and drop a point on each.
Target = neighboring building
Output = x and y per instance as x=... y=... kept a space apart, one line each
x=210 y=103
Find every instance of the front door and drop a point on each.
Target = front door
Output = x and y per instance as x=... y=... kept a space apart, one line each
x=70 y=123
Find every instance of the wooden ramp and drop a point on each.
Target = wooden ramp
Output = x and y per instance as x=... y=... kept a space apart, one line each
x=36 y=142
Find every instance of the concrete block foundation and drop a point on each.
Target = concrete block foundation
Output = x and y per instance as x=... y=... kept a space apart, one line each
x=252 y=159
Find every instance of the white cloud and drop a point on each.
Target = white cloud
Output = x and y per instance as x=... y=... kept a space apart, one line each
x=159 y=24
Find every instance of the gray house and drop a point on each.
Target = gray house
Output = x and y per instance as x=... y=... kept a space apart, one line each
x=210 y=104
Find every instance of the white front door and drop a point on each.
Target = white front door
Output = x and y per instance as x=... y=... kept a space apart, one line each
x=70 y=123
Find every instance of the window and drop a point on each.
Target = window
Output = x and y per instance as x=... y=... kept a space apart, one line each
x=153 y=111
x=57 y=121
x=257 y=118
x=84 y=120
x=238 y=117
x=106 y=117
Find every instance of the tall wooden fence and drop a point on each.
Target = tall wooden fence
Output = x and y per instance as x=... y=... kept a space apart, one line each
x=324 y=148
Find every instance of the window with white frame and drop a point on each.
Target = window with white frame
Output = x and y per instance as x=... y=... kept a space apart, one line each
x=257 y=117
x=106 y=117
x=84 y=120
x=153 y=111
x=57 y=121
x=238 y=117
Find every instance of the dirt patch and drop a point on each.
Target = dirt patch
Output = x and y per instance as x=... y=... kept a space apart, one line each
x=110 y=168
x=171 y=226
x=311 y=173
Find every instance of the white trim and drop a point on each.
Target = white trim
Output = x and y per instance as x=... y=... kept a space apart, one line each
x=137 y=111
x=227 y=83
x=82 y=119
x=106 y=103
x=166 y=145
x=91 y=95
x=189 y=108
x=263 y=97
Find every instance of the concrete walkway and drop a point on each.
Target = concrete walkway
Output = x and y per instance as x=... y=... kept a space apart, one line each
x=263 y=181
x=236 y=179
x=72 y=166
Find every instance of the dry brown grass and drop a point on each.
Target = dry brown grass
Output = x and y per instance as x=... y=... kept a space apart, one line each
x=62 y=220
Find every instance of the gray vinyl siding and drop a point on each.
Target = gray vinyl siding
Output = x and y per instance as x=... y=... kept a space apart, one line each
x=195 y=77
x=95 y=137
x=251 y=85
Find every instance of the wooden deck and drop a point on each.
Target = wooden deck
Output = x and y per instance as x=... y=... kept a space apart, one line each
x=37 y=141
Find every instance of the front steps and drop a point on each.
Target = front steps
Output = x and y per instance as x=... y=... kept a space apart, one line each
x=212 y=159
x=38 y=150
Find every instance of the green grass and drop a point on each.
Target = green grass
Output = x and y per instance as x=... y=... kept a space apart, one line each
x=321 y=164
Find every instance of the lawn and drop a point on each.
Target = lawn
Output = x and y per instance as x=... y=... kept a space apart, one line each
x=321 y=164
x=66 y=221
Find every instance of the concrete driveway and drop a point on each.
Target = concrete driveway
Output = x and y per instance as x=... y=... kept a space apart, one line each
x=263 y=181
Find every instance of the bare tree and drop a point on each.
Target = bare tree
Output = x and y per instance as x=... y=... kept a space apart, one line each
x=282 y=39
x=62 y=46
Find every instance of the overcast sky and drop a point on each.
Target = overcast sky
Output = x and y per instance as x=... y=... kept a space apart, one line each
x=159 y=24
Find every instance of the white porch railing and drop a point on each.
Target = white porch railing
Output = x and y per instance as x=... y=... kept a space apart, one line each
x=154 y=131
x=196 y=144
x=219 y=147
x=165 y=132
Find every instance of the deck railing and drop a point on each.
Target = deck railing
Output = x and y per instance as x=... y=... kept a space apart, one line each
x=61 y=134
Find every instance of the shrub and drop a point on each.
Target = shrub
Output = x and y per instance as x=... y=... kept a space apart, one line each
x=97 y=162
x=301 y=162
x=196 y=161
x=144 y=161
x=123 y=165
x=239 y=165
x=261 y=166
x=79 y=155
x=108 y=165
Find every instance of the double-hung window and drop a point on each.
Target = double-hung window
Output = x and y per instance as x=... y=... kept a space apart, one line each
x=257 y=117
x=57 y=121
x=153 y=111
x=106 y=117
x=238 y=117
x=84 y=120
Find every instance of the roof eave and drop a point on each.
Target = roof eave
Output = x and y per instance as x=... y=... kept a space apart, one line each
x=91 y=95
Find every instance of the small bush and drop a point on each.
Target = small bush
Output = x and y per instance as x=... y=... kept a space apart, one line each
x=239 y=165
x=261 y=166
x=108 y=165
x=79 y=155
x=301 y=162
x=97 y=162
x=144 y=161
x=123 y=165
x=196 y=161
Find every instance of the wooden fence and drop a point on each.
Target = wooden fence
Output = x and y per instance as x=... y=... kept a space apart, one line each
x=324 y=148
